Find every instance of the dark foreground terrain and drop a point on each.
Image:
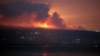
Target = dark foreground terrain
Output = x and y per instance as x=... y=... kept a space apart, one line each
x=49 y=51
x=45 y=42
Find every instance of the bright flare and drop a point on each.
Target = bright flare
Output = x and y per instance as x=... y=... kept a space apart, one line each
x=44 y=25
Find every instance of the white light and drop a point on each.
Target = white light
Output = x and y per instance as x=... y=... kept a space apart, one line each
x=37 y=33
x=22 y=37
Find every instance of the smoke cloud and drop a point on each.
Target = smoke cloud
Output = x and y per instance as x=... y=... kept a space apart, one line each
x=26 y=14
x=18 y=8
x=56 y=20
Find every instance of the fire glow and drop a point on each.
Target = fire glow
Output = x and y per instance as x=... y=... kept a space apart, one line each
x=44 y=25
x=30 y=15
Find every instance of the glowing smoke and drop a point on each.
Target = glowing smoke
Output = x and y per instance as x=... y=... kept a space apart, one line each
x=30 y=15
x=24 y=14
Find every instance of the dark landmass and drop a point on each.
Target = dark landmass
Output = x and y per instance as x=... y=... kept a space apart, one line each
x=54 y=40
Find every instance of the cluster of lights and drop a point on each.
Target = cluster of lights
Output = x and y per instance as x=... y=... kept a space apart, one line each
x=49 y=38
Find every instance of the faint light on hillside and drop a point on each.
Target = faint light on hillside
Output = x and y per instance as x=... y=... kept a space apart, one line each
x=97 y=30
x=22 y=37
x=96 y=45
x=37 y=33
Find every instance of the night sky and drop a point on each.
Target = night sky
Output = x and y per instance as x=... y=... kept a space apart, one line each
x=84 y=13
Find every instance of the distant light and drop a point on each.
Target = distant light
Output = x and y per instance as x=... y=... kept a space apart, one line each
x=78 y=39
x=97 y=30
x=37 y=33
x=96 y=45
x=22 y=37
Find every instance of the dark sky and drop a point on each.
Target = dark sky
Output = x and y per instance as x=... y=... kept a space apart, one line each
x=76 y=12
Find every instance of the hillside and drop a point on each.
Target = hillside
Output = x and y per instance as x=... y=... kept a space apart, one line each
x=50 y=36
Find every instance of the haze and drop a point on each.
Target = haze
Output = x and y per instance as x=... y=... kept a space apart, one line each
x=84 y=13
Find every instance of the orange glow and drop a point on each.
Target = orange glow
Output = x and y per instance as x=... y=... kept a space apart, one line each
x=29 y=21
x=43 y=25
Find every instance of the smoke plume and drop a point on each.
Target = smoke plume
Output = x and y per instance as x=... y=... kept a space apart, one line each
x=30 y=15
x=18 y=8
x=25 y=14
x=57 y=21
